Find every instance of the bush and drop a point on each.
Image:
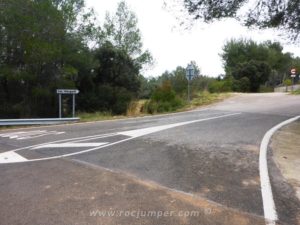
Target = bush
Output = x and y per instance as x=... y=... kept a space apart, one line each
x=242 y=85
x=265 y=89
x=163 y=99
x=220 y=86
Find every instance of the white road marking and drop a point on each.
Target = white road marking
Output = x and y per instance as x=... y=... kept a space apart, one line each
x=266 y=189
x=29 y=135
x=145 y=131
x=11 y=157
x=72 y=145
x=131 y=134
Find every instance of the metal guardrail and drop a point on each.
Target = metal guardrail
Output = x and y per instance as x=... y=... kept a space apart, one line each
x=46 y=121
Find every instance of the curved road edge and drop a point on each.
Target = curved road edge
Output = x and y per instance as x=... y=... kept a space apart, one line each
x=269 y=207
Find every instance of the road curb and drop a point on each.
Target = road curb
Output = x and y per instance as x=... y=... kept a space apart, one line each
x=269 y=207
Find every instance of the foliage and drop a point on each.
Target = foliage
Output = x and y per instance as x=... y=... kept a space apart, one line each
x=296 y=92
x=256 y=71
x=279 y=14
x=121 y=30
x=218 y=86
x=85 y=117
x=263 y=64
x=44 y=45
x=38 y=54
x=164 y=99
x=115 y=83
x=205 y=98
x=287 y=82
x=148 y=86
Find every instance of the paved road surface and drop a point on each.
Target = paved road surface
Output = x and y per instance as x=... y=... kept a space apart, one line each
x=205 y=160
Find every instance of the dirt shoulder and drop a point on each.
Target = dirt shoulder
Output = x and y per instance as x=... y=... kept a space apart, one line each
x=286 y=154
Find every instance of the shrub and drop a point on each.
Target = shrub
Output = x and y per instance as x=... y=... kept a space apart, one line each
x=220 y=86
x=163 y=99
x=242 y=85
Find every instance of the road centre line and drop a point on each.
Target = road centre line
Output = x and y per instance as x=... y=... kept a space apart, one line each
x=269 y=207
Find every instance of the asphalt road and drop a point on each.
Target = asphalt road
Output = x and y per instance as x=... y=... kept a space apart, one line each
x=205 y=160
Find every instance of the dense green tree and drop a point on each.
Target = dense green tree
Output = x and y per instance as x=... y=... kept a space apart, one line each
x=116 y=78
x=43 y=46
x=257 y=73
x=236 y=52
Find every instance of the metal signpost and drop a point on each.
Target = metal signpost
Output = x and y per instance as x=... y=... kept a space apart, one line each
x=61 y=92
x=293 y=75
x=190 y=73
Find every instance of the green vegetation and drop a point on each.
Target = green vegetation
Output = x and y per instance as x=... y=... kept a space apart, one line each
x=95 y=116
x=283 y=15
x=46 y=45
x=206 y=98
x=296 y=92
x=163 y=99
x=147 y=107
x=252 y=67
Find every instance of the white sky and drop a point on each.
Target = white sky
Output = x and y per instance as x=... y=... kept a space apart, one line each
x=177 y=47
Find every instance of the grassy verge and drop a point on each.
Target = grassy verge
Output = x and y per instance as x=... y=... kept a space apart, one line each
x=206 y=98
x=296 y=92
x=87 y=117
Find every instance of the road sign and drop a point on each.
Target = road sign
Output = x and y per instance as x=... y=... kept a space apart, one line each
x=293 y=75
x=61 y=92
x=67 y=91
x=293 y=71
x=190 y=72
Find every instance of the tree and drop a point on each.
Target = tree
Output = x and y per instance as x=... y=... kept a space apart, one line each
x=263 y=14
x=257 y=73
x=117 y=80
x=236 y=52
x=40 y=47
x=121 y=30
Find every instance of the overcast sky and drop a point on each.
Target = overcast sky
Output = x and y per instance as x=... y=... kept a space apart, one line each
x=172 y=46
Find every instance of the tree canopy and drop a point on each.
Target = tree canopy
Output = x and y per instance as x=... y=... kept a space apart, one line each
x=253 y=64
x=44 y=45
x=122 y=31
x=281 y=14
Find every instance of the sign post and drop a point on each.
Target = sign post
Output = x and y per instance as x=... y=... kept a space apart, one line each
x=61 y=92
x=293 y=75
x=190 y=73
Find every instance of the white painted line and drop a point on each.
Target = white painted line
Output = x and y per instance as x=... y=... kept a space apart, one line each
x=9 y=135
x=145 y=131
x=41 y=135
x=11 y=157
x=266 y=190
x=74 y=140
x=29 y=135
x=132 y=135
x=72 y=145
